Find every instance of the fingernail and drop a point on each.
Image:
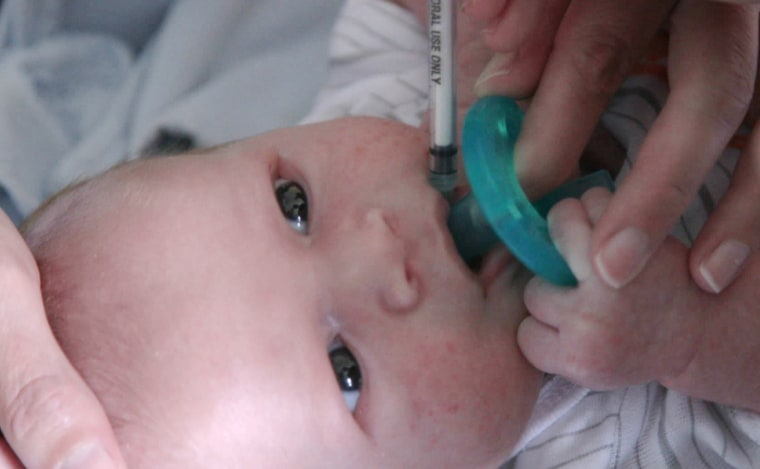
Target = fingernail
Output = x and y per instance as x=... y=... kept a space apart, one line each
x=623 y=257
x=498 y=66
x=722 y=266
x=89 y=456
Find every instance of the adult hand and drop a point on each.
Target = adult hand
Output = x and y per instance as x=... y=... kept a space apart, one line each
x=571 y=56
x=48 y=416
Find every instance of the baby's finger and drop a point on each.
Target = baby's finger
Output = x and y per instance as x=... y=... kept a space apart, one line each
x=733 y=230
x=539 y=343
x=712 y=55
x=546 y=302
x=595 y=201
x=570 y=229
x=521 y=37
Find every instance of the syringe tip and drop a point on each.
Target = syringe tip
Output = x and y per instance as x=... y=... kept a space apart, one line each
x=445 y=183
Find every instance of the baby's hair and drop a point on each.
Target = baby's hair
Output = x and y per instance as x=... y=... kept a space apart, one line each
x=56 y=231
x=30 y=226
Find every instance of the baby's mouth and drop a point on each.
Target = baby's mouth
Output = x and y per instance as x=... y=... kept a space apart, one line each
x=484 y=268
x=499 y=261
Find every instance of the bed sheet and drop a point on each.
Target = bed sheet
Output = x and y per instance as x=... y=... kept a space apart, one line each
x=85 y=84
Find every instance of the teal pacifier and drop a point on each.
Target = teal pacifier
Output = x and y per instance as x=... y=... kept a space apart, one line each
x=497 y=209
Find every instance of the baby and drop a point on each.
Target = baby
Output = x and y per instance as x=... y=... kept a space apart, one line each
x=294 y=299
x=211 y=299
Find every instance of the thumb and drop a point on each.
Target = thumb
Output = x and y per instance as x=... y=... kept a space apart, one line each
x=55 y=421
x=48 y=415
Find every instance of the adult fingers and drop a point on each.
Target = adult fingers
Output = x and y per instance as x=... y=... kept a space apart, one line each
x=484 y=10
x=47 y=414
x=521 y=36
x=732 y=231
x=596 y=45
x=711 y=69
x=8 y=460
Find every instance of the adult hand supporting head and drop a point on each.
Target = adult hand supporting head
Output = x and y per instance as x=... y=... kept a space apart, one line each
x=573 y=55
x=48 y=416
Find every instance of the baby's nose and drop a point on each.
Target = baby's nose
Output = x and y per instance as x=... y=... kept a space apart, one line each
x=378 y=262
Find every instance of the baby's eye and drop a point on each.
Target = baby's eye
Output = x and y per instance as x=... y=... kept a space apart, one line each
x=347 y=373
x=293 y=203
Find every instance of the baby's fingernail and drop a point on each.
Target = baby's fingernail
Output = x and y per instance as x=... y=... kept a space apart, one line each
x=722 y=266
x=498 y=66
x=623 y=257
x=90 y=456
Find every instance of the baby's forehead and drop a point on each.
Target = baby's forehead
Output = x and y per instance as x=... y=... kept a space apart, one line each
x=85 y=194
x=74 y=198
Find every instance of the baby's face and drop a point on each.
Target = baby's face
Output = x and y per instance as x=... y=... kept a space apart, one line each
x=204 y=314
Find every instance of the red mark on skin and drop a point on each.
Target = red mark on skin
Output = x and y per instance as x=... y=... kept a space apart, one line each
x=451 y=348
x=361 y=150
x=453 y=408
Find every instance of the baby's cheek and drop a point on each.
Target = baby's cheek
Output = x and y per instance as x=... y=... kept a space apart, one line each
x=461 y=395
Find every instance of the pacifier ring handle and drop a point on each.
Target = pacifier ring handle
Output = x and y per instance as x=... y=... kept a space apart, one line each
x=491 y=128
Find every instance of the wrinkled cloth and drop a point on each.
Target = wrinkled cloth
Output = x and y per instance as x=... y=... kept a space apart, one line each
x=86 y=84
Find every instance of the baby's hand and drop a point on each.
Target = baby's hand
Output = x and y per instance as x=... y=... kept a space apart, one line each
x=603 y=338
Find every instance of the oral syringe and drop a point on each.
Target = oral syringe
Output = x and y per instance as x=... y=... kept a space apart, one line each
x=442 y=95
x=496 y=210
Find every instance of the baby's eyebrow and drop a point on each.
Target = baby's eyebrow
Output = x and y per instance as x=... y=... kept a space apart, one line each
x=207 y=149
x=72 y=188
x=168 y=142
x=175 y=142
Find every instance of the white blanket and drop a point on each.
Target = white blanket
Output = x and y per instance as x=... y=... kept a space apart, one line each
x=85 y=84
